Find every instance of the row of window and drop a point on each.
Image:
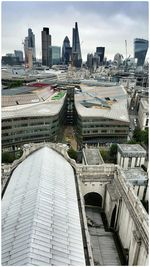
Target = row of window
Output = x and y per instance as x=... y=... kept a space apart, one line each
x=105 y=131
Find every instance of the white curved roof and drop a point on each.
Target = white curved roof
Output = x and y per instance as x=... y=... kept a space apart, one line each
x=40 y=216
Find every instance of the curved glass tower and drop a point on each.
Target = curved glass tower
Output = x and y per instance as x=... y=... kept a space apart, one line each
x=140 y=50
x=66 y=51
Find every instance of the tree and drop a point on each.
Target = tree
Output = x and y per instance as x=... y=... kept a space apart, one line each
x=145 y=136
x=72 y=153
x=137 y=135
x=113 y=150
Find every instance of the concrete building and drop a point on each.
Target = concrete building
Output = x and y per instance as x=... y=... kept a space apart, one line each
x=130 y=155
x=143 y=114
x=46 y=42
x=34 y=114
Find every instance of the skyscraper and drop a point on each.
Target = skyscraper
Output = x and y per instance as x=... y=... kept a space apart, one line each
x=54 y=53
x=76 y=50
x=100 y=51
x=31 y=43
x=26 y=49
x=66 y=51
x=140 y=50
x=46 y=42
x=19 y=54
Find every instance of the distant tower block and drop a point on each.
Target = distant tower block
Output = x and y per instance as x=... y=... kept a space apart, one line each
x=130 y=155
x=30 y=59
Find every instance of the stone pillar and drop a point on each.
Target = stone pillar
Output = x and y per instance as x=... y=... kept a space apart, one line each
x=126 y=162
x=135 y=249
x=133 y=162
x=142 y=161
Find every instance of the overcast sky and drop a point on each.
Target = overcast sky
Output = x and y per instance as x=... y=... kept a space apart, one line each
x=100 y=23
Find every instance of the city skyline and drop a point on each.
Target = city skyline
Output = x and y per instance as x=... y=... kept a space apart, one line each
x=100 y=23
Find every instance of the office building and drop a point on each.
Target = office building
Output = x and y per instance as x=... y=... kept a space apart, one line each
x=100 y=51
x=19 y=54
x=140 y=51
x=31 y=43
x=143 y=114
x=76 y=50
x=46 y=42
x=101 y=114
x=66 y=51
x=54 y=54
x=10 y=59
x=26 y=49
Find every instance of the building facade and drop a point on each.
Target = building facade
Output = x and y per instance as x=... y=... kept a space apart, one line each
x=143 y=114
x=54 y=54
x=130 y=155
x=31 y=43
x=19 y=54
x=66 y=51
x=140 y=51
x=100 y=51
x=76 y=49
x=46 y=42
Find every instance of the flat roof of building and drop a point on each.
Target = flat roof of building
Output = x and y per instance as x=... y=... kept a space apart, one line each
x=145 y=103
x=92 y=156
x=115 y=96
x=49 y=108
x=134 y=149
x=136 y=176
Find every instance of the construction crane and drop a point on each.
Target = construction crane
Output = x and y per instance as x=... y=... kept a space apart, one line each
x=126 y=47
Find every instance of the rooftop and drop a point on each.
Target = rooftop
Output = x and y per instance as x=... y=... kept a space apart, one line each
x=115 y=97
x=131 y=148
x=50 y=108
x=136 y=176
x=92 y=156
x=40 y=216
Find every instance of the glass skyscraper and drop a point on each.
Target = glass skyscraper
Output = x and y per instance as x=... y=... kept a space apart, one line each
x=66 y=51
x=76 y=50
x=140 y=50
x=100 y=51
x=31 y=43
x=54 y=54
x=46 y=42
